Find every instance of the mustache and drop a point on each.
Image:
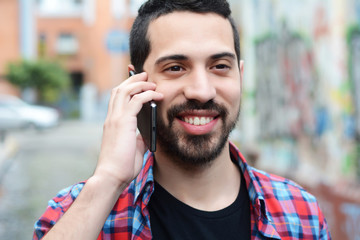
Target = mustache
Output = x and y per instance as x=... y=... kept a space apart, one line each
x=189 y=105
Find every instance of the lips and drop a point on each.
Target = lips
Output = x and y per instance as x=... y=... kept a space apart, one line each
x=198 y=121
x=197 y=118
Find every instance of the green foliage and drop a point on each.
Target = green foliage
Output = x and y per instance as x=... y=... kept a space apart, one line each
x=47 y=77
x=352 y=30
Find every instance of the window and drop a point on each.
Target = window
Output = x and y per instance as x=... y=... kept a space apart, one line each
x=60 y=8
x=67 y=44
x=42 y=45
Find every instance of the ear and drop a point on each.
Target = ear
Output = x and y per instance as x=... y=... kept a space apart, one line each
x=131 y=68
x=241 y=65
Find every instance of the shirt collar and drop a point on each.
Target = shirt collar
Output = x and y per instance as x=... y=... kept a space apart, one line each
x=256 y=195
x=146 y=176
x=143 y=187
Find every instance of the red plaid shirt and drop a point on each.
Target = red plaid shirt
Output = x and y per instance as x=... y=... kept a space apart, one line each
x=280 y=209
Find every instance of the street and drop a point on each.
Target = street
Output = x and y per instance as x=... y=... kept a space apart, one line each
x=45 y=162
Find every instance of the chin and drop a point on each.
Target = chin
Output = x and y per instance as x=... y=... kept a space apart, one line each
x=194 y=150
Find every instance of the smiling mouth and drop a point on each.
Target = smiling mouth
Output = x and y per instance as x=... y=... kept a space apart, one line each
x=198 y=121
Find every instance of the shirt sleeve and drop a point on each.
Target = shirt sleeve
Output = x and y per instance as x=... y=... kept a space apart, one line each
x=56 y=209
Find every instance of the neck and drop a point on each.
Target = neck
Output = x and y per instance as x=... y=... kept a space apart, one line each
x=211 y=187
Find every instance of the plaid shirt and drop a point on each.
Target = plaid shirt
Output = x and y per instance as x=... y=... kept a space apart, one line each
x=280 y=209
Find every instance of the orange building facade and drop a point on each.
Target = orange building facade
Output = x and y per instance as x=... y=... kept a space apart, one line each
x=9 y=40
x=9 y=33
x=89 y=37
x=89 y=44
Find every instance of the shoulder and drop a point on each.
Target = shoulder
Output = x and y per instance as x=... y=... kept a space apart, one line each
x=289 y=207
x=279 y=192
x=282 y=188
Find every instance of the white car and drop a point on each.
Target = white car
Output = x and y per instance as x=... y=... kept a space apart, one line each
x=15 y=113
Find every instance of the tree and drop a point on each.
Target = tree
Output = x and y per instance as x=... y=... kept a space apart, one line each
x=48 y=78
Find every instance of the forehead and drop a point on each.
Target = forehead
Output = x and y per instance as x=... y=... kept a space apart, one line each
x=190 y=33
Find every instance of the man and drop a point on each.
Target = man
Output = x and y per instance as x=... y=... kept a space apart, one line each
x=197 y=185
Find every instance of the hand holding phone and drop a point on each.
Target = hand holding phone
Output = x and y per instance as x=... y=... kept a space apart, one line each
x=146 y=122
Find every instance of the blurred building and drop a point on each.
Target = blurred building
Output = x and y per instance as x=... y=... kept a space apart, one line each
x=9 y=32
x=9 y=39
x=89 y=37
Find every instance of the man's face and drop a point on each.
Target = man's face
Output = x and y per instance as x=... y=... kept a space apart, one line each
x=193 y=62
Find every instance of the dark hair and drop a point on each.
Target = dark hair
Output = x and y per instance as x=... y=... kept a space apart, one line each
x=152 y=9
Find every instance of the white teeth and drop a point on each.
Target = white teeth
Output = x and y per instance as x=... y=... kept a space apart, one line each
x=197 y=121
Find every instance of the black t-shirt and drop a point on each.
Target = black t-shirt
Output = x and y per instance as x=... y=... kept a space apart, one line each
x=172 y=219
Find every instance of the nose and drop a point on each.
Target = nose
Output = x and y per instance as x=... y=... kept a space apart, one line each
x=200 y=87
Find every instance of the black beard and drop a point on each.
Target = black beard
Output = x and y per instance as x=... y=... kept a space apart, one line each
x=194 y=150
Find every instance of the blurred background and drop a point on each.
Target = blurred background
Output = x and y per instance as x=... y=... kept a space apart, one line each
x=59 y=60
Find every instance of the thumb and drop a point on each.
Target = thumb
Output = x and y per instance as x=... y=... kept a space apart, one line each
x=140 y=145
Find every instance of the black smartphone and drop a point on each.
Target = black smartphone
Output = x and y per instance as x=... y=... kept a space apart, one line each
x=146 y=122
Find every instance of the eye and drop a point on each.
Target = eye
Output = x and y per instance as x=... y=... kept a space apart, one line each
x=174 y=68
x=222 y=66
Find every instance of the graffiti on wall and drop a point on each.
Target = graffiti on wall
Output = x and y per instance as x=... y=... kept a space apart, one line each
x=294 y=101
x=285 y=85
x=354 y=42
x=354 y=70
x=308 y=105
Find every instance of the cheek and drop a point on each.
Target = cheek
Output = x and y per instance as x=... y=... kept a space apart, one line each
x=162 y=110
x=231 y=94
x=168 y=100
x=172 y=93
x=235 y=95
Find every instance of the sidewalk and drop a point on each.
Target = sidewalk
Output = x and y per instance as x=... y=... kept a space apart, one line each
x=38 y=166
x=8 y=149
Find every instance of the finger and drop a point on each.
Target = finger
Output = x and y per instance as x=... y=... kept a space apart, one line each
x=123 y=96
x=142 y=77
x=138 y=87
x=133 y=107
x=137 y=101
x=128 y=88
x=138 y=77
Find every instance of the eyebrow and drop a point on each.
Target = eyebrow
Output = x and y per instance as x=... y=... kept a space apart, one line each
x=178 y=57
x=181 y=57
x=222 y=55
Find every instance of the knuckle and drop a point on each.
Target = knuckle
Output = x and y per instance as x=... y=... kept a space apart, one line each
x=136 y=97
